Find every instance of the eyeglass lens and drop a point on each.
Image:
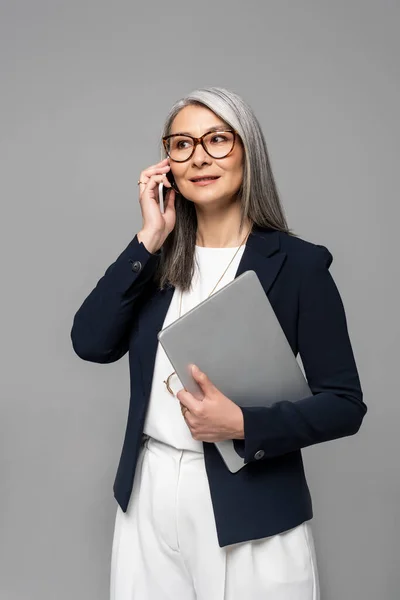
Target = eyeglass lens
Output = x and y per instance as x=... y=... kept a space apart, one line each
x=217 y=145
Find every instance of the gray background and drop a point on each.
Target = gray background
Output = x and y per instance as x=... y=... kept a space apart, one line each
x=85 y=87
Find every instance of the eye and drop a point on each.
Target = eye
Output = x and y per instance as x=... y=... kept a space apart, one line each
x=181 y=144
x=217 y=139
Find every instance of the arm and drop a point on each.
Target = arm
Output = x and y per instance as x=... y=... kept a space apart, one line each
x=336 y=408
x=100 y=330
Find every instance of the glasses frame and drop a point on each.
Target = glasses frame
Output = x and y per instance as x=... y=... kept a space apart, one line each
x=166 y=381
x=199 y=140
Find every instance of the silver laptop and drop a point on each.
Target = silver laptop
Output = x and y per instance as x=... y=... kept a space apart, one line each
x=235 y=338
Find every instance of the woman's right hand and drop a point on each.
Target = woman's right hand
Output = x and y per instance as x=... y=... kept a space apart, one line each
x=156 y=225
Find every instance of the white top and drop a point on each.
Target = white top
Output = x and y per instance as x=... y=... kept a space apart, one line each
x=164 y=420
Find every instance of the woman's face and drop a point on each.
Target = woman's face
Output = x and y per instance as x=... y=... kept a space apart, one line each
x=197 y=120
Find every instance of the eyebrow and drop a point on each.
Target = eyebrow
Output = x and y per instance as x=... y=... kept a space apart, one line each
x=215 y=128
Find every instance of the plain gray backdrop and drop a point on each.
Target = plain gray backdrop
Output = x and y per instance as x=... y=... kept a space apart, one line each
x=85 y=87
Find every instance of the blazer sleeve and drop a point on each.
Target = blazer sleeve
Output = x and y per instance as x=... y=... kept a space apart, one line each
x=336 y=408
x=101 y=326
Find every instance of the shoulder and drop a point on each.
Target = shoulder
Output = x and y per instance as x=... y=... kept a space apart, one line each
x=302 y=253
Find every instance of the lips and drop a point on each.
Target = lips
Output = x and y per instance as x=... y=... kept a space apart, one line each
x=205 y=178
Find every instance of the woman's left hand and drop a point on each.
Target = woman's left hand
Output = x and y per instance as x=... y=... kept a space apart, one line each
x=214 y=418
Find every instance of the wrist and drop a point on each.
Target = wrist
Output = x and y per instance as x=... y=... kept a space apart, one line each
x=152 y=242
x=239 y=425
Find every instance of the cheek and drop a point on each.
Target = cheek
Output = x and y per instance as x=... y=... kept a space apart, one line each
x=236 y=173
x=235 y=167
x=239 y=171
x=178 y=172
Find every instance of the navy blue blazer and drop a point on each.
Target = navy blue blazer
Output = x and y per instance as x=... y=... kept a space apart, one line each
x=125 y=311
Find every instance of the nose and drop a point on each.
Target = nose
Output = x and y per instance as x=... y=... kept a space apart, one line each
x=200 y=156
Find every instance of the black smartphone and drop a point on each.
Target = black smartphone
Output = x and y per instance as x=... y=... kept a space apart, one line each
x=171 y=179
x=162 y=190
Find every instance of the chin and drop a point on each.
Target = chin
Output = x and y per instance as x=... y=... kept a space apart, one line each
x=211 y=200
x=201 y=195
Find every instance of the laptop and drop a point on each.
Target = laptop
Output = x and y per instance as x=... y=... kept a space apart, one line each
x=235 y=338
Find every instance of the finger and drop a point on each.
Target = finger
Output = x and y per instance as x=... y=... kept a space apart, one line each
x=188 y=400
x=190 y=421
x=153 y=182
x=163 y=165
x=185 y=412
x=164 y=161
x=144 y=179
x=201 y=378
x=154 y=170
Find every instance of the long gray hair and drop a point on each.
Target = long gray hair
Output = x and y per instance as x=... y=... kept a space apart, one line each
x=258 y=194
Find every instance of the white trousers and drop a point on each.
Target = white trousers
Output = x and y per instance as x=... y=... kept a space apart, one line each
x=165 y=546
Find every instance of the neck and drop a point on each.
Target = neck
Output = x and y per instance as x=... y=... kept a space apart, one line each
x=220 y=229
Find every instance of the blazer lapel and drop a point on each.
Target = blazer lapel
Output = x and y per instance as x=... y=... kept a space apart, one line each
x=150 y=323
x=261 y=255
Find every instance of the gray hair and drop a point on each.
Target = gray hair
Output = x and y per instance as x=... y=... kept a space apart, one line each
x=258 y=194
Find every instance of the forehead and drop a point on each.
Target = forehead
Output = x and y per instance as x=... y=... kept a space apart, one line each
x=195 y=120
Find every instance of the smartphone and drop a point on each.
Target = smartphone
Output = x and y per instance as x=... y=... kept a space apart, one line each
x=162 y=190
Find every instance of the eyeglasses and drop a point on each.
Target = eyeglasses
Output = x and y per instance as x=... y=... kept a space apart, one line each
x=167 y=383
x=217 y=144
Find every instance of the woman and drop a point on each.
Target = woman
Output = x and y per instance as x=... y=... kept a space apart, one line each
x=187 y=528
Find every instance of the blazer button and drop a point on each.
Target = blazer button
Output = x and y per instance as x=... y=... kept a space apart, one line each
x=259 y=454
x=136 y=266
